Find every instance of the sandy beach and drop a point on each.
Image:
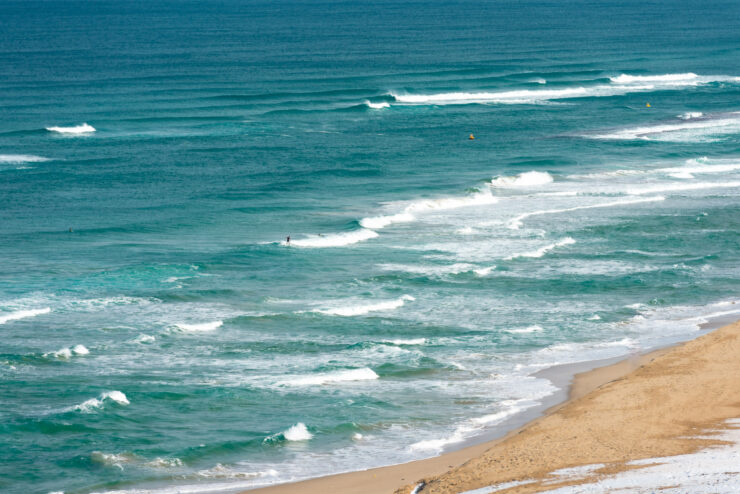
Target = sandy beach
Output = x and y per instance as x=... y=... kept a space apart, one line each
x=646 y=406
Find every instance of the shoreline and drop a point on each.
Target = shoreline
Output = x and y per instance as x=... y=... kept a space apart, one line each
x=573 y=381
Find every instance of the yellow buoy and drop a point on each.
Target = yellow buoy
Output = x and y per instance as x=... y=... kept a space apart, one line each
x=648 y=105
x=472 y=137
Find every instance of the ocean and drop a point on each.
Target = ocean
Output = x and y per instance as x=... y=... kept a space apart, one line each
x=161 y=335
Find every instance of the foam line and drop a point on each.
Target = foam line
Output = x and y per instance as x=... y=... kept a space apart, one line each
x=516 y=223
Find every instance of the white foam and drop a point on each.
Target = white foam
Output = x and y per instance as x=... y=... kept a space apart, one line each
x=428 y=270
x=164 y=463
x=411 y=341
x=470 y=427
x=66 y=353
x=526 y=179
x=19 y=159
x=516 y=222
x=535 y=328
x=378 y=222
x=113 y=459
x=90 y=405
x=80 y=350
x=685 y=78
x=479 y=198
x=77 y=129
x=206 y=326
x=298 y=432
x=484 y=271
x=220 y=471
x=542 y=250
x=349 y=375
x=333 y=240
x=709 y=471
x=22 y=314
x=377 y=106
x=623 y=84
x=691 y=130
x=358 y=310
x=682 y=187
x=144 y=338
x=691 y=114
x=538 y=80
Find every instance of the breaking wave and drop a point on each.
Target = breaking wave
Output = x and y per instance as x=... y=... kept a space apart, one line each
x=66 y=353
x=542 y=250
x=77 y=129
x=363 y=374
x=526 y=179
x=693 y=129
x=619 y=85
x=479 y=198
x=22 y=314
x=297 y=432
x=358 y=310
x=333 y=240
x=20 y=159
x=92 y=404
x=206 y=326
x=377 y=106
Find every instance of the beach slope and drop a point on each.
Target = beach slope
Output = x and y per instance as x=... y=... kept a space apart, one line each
x=659 y=409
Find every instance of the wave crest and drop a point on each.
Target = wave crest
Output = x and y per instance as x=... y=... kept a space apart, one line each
x=526 y=179
x=358 y=310
x=84 y=128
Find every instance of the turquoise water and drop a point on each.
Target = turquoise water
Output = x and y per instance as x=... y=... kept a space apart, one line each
x=159 y=335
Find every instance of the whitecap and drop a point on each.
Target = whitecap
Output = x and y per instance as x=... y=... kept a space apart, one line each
x=478 y=198
x=205 y=326
x=542 y=250
x=623 y=84
x=20 y=159
x=77 y=129
x=412 y=341
x=22 y=314
x=88 y=406
x=348 y=375
x=377 y=106
x=298 y=432
x=333 y=240
x=378 y=222
x=144 y=338
x=526 y=179
x=691 y=114
x=66 y=353
x=484 y=271
x=358 y=310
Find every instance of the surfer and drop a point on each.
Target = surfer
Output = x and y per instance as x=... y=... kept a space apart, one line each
x=287 y=240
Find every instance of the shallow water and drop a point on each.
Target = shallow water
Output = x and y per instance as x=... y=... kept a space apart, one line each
x=159 y=333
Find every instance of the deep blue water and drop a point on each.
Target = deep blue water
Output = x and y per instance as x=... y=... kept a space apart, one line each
x=159 y=334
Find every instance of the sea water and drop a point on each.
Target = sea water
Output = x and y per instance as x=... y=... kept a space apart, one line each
x=159 y=333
